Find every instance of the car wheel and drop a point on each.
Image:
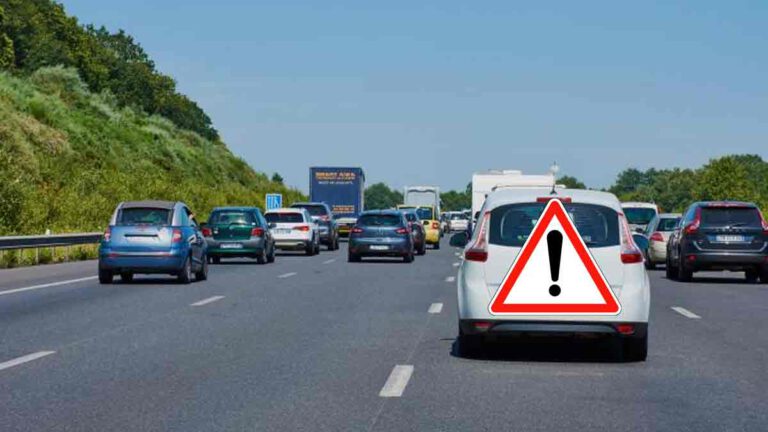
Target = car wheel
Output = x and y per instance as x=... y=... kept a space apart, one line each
x=650 y=265
x=422 y=249
x=469 y=346
x=751 y=276
x=261 y=257
x=309 y=249
x=216 y=260
x=126 y=277
x=764 y=275
x=436 y=245
x=202 y=274
x=635 y=349
x=683 y=274
x=271 y=256
x=185 y=274
x=408 y=258
x=317 y=248
x=670 y=270
x=105 y=276
x=353 y=258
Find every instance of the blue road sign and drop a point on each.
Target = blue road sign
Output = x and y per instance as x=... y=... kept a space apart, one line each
x=274 y=201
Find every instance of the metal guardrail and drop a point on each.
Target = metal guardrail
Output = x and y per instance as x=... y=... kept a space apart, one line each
x=54 y=240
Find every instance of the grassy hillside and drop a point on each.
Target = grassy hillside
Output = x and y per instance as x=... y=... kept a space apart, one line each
x=68 y=156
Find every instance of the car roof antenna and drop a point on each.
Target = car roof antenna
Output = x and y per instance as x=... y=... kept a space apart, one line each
x=554 y=169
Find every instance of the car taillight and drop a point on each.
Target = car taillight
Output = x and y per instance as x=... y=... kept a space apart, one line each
x=357 y=230
x=693 y=227
x=303 y=228
x=763 y=222
x=630 y=254
x=435 y=225
x=176 y=238
x=108 y=234
x=257 y=232
x=402 y=230
x=479 y=250
x=657 y=236
x=207 y=232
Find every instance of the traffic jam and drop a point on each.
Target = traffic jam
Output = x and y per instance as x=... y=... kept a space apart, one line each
x=537 y=258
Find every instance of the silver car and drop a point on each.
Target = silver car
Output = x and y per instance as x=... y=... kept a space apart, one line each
x=658 y=232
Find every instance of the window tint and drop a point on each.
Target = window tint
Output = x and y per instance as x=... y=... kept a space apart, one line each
x=231 y=217
x=411 y=217
x=730 y=216
x=385 y=220
x=639 y=216
x=144 y=216
x=458 y=217
x=667 y=224
x=313 y=209
x=511 y=225
x=284 y=217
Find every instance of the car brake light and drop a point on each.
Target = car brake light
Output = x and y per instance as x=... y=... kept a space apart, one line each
x=402 y=230
x=479 y=250
x=626 y=329
x=763 y=222
x=693 y=227
x=176 y=238
x=547 y=199
x=207 y=232
x=482 y=325
x=357 y=230
x=657 y=236
x=630 y=254
x=257 y=232
x=108 y=234
x=304 y=228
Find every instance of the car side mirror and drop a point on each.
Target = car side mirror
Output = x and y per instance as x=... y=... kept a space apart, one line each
x=459 y=239
x=641 y=241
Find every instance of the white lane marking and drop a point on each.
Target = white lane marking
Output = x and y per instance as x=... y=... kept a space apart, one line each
x=287 y=275
x=329 y=261
x=450 y=279
x=458 y=254
x=435 y=308
x=48 y=285
x=398 y=379
x=25 y=359
x=456 y=264
x=685 y=312
x=208 y=300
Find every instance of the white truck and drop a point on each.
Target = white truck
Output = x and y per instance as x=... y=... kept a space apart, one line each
x=483 y=183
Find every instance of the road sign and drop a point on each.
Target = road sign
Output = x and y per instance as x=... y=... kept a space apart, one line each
x=554 y=273
x=274 y=201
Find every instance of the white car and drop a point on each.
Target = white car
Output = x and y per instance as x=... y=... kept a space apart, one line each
x=457 y=222
x=639 y=214
x=505 y=223
x=294 y=229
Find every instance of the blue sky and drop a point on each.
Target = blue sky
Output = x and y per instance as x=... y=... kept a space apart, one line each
x=428 y=92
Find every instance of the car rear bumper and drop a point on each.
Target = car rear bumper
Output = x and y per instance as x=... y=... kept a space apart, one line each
x=287 y=244
x=432 y=236
x=724 y=260
x=657 y=252
x=553 y=328
x=368 y=247
x=142 y=263
x=248 y=247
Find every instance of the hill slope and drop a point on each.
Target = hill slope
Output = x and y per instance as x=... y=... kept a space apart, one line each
x=68 y=156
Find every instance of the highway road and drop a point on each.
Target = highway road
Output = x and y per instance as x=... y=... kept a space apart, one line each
x=317 y=344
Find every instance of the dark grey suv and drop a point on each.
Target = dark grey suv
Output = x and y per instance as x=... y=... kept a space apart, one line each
x=722 y=235
x=322 y=215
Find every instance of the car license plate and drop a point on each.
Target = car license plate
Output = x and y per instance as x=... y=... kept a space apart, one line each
x=379 y=247
x=282 y=231
x=729 y=238
x=231 y=246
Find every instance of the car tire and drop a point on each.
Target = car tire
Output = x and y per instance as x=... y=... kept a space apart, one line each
x=751 y=276
x=271 y=256
x=261 y=257
x=105 y=277
x=635 y=349
x=436 y=245
x=216 y=260
x=317 y=248
x=670 y=269
x=408 y=258
x=764 y=275
x=469 y=346
x=202 y=274
x=649 y=265
x=185 y=274
x=309 y=250
x=683 y=274
x=353 y=258
x=422 y=249
x=126 y=277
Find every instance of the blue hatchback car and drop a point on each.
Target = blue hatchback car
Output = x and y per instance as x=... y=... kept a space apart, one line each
x=381 y=233
x=153 y=237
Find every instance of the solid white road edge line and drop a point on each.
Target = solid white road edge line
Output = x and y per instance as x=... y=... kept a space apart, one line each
x=48 y=285
x=287 y=275
x=208 y=300
x=450 y=279
x=685 y=312
x=25 y=359
x=398 y=379
x=435 y=308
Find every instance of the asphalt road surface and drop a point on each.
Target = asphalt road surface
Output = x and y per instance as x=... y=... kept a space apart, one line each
x=317 y=344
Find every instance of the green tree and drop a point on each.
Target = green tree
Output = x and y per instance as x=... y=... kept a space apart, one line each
x=380 y=196
x=7 y=56
x=731 y=178
x=277 y=178
x=455 y=200
x=571 y=182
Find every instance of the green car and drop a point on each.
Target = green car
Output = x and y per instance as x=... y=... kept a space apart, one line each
x=237 y=232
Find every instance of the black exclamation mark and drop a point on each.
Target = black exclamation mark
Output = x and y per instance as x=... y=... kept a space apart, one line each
x=554 y=244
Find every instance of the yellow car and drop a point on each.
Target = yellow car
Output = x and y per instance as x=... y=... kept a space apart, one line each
x=431 y=223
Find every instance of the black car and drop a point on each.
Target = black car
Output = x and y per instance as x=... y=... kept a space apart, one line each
x=381 y=233
x=723 y=235
x=417 y=231
x=321 y=213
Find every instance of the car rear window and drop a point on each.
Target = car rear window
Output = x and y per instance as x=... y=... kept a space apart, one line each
x=314 y=210
x=144 y=216
x=231 y=217
x=511 y=224
x=458 y=217
x=639 y=215
x=284 y=217
x=379 y=220
x=730 y=216
x=667 y=224
x=411 y=217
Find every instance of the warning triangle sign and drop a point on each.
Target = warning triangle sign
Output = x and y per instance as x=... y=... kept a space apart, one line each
x=554 y=273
